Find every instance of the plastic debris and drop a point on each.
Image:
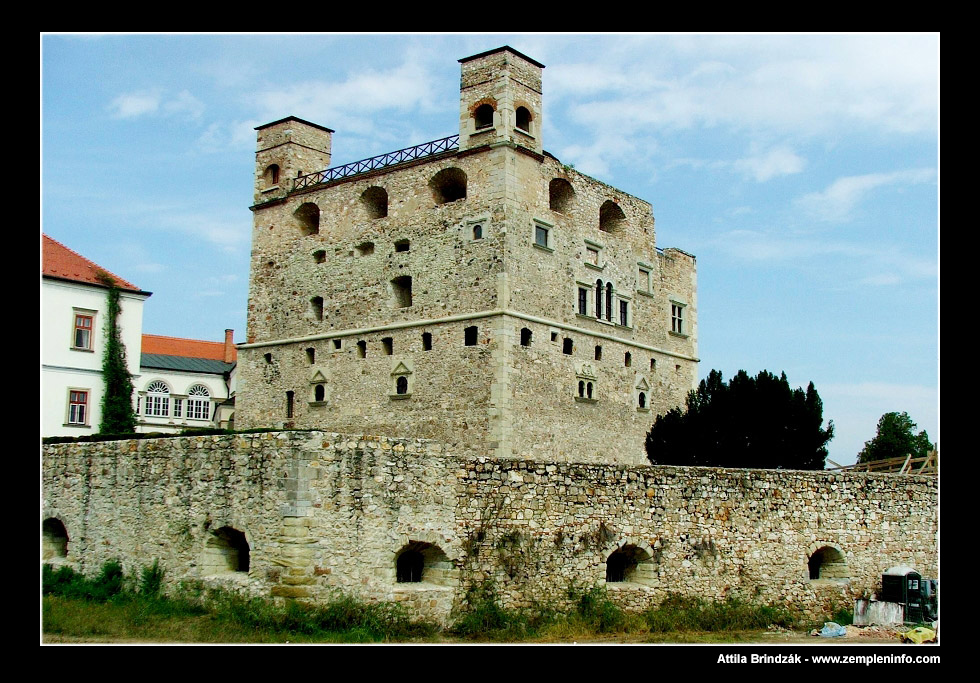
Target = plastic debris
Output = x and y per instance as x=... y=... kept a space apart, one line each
x=919 y=635
x=832 y=630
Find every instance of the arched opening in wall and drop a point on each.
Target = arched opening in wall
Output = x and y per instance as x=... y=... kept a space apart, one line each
x=827 y=563
x=319 y=392
x=54 y=539
x=375 y=202
x=226 y=552
x=628 y=359
x=611 y=217
x=561 y=195
x=316 y=308
x=523 y=119
x=483 y=116
x=478 y=232
x=271 y=175
x=401 y=385
x=448 y=185
x=401 y=291
x=629 y=564
x=525 y=336
x=641 y=400
x=419 y=562
x=308 y=217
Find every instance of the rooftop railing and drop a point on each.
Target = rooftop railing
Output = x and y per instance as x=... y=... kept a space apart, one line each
x=426 y=149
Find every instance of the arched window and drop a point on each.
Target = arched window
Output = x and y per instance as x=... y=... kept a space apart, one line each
x=271 y=175
x=581 y=388
x=827 y=563
x=483 y=116
x=419 y=562
x=478 y=232
x=611 y=217
x=199 y=403
x=157 y=403
x=308 y=217
x=560 y=195
x=628 y=359
x=588 y=389
x=375 y=202
x=609 y=301
x=409 y=566
x=54 y=539
x=629 y=564
x=448 y=185
x=319 y=393
x=225 y=552
x=642 y=400
x=523 y=117
x=598 y=299
x=401 y=385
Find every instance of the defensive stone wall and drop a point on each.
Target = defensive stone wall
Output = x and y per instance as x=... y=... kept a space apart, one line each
x=301 y=514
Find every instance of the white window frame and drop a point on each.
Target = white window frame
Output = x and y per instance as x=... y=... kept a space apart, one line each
x=156 y=403
x=677 y=318
x=198 y=404
x=72 y=416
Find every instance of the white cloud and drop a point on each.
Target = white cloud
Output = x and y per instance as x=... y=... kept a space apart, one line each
x=778 y=161
x=839 y=199
x=145 y=102
x=135 y=104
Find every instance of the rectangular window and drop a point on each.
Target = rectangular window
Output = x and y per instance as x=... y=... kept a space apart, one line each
x=677 y=318
x=643 y=280
x=592 y=256
x=624 y=313
x=541 y=235
x=77 y=407
x=82 y=339
x=583 y=301
x=199 y=408
x=179 y=407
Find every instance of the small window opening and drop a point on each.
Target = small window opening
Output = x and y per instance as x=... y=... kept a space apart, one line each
x=598 y=352
x=677 y=368
x=402 y=245
x=364 y=248
x=308 y=217
x=581 y=388
x=560 y=195
x=362 y=349
x=319 y=256
x=598 y=299
x=316 y=307
x=272 y=175
x=268 y=357
x=54 y=538
x=409 y=567
x=401 y=385
x=609 y=301
x=525 y=336
x=483 y=116
x=337 y=344
x=588 y=390
x=523 y=119
x=289 y=404
x=628 y=359
x=401 y=289
x=388 y=345
x=541 y=236
x=624 y=313
x=448 y=185
x=478 y=232
x=642 y=400
x=583 y=301
x=311 y=355
x=566 y=346
x=621 y=565
x=375 y=202
x=426 y=341
x=318 y=393
x=470 y=335
x=653 y=363
x=611 y=217
x=554 y=336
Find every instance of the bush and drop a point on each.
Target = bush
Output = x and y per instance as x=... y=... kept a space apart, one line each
x=682 y=613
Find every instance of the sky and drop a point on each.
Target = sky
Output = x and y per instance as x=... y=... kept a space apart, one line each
x=801 y=170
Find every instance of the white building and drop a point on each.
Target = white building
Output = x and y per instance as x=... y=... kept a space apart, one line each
x=186 y=384
x=73 y=319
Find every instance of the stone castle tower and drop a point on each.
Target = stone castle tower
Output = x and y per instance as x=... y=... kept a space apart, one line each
x=472 y=290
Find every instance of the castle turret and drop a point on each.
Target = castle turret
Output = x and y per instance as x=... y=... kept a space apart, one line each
x=500 y=100
x=285 y=149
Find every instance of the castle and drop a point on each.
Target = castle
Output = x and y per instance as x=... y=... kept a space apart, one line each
x=472 y=340
x=473 y=290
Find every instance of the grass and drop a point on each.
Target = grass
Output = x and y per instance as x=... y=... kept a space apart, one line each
x=113 y=607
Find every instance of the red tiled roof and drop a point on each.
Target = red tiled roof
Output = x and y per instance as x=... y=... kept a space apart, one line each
x=186 y=348
x=59 y=261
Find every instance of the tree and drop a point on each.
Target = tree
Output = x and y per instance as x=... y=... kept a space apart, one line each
x=896 y=438
x=118 y=416
x=757 y=422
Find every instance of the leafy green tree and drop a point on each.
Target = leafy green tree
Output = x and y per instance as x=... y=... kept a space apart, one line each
x=896 y=438
x=757 y=422
x=118 y=416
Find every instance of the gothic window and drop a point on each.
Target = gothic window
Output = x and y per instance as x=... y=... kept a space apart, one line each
x=157 y=403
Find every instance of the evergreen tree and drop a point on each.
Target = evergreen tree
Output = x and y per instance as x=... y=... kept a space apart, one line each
x=896 y=438
x=118 y=416
x=757 y=422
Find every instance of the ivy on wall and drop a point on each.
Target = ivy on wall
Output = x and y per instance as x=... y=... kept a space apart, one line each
x=118 y=416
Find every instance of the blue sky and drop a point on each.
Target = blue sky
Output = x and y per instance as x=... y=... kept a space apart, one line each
x=801 y=170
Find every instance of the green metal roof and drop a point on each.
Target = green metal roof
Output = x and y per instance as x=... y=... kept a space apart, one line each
x=161 y=362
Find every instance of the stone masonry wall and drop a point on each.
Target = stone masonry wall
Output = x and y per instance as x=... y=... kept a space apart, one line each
x=323 y=511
